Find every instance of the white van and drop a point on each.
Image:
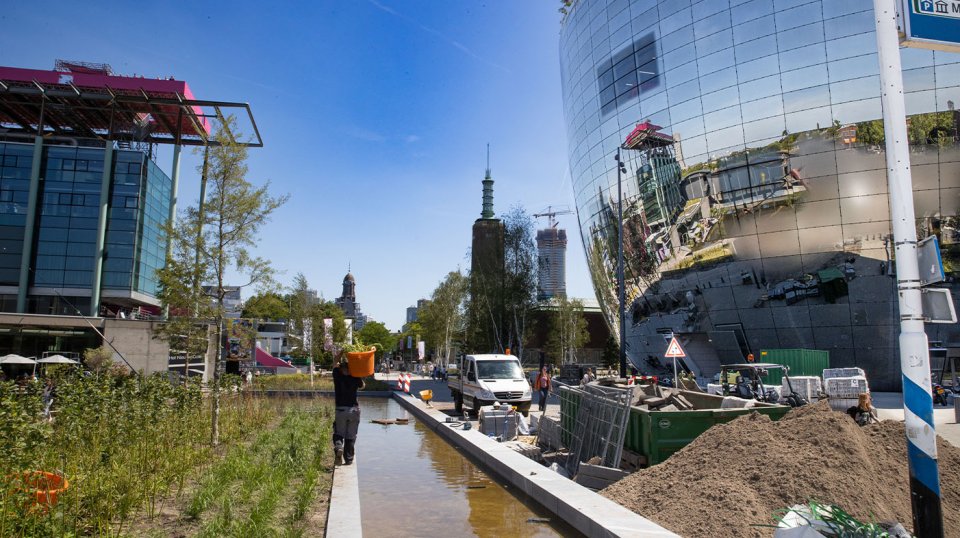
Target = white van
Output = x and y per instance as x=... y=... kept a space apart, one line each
x=484 y=379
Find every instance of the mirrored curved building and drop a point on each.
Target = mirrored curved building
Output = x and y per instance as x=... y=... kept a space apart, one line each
x=755 y=200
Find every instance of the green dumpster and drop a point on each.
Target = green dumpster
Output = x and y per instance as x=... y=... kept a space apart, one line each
x=657 y=434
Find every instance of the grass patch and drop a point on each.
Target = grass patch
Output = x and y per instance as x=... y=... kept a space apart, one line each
x=127 y=445
x=242 y=494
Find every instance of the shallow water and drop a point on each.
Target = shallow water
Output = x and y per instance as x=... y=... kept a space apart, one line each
x=413 y=483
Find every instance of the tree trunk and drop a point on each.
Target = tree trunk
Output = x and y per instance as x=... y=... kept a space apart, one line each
x=215 y=414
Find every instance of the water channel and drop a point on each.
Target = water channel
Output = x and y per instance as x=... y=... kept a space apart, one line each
x=414 y=483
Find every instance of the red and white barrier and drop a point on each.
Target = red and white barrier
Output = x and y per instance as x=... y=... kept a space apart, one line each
x=399 y=381
x=406 y=384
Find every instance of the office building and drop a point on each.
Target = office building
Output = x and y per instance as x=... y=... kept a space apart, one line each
x=755 y=208
x=83 y=202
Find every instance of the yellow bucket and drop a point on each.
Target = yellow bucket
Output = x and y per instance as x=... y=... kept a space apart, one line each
x=426 y=395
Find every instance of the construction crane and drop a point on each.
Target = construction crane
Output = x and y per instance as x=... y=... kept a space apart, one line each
x=551 y=214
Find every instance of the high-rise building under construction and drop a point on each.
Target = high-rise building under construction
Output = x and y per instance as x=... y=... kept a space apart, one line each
x=552 y=259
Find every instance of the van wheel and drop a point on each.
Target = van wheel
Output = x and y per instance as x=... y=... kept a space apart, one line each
x=458 y=404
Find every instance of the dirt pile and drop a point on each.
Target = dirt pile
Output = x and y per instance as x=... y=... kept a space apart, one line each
x=736 y=475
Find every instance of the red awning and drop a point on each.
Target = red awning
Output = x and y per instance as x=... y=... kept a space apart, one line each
x=269 y=361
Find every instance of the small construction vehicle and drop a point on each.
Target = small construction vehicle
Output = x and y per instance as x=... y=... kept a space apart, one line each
x=746 y=381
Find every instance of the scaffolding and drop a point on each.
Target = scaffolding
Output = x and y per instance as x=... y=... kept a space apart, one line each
x=596 y=425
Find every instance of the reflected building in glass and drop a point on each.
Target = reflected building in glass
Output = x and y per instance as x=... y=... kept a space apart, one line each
x=755 y=202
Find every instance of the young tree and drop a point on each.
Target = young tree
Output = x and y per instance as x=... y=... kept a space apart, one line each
x=298 y=324
x=224 y=231
x=520 y=276
x=568 y=330
x=611 y=353
x=189 y=308
x=443 y=318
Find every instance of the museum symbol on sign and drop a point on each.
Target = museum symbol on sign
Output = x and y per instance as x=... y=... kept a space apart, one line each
x=937 y=7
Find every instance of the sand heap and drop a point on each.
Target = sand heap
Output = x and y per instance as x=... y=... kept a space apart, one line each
x=736 y=475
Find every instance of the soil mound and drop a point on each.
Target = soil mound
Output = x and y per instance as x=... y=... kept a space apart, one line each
x=735 y=476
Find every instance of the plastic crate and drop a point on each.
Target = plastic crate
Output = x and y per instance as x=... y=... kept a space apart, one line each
x=843 y=372
x=846 y=387
x=808 y=386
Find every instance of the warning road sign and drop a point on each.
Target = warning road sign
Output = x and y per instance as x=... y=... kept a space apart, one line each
x=674 y=350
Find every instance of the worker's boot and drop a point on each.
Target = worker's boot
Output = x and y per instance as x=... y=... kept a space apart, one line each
x=338 y=452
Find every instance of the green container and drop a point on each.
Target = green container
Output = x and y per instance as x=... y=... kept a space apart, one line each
x=658 y=434
x=800 y=362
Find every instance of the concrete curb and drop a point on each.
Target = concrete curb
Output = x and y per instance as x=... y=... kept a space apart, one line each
x=343 y=513
x=581 y=508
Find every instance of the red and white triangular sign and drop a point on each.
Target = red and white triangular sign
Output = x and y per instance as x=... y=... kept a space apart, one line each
x=674 y=350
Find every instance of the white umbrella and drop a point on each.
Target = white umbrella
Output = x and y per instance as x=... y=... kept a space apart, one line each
x=16 y=359
x=57 y=359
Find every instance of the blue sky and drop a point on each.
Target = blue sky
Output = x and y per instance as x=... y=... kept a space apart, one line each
x=375 y=116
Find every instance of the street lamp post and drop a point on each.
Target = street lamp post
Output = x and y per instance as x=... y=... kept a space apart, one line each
x=621 y=169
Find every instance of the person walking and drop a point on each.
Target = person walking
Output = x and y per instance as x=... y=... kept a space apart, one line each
x=347 y=415
x=543 y=385
x=587 y=376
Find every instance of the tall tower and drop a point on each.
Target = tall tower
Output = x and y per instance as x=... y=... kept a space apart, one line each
x=486 y=272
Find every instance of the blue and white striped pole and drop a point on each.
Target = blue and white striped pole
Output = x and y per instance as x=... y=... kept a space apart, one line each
x=914 y=350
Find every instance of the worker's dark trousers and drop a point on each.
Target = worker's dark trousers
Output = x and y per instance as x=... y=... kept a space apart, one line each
x=345 y=425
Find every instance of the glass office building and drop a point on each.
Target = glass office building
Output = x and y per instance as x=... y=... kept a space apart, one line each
x=65 y=232
x=755 y=200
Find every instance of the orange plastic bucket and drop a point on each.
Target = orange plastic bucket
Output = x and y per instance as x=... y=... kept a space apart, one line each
x=44 y=487
x=361 y=363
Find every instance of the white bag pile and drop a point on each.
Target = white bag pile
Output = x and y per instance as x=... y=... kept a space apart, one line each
x=842 y=392
x=846 y=387
x=808 y=386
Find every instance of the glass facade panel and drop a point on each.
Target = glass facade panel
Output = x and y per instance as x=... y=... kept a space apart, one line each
x=761 y=166
x=67 y=218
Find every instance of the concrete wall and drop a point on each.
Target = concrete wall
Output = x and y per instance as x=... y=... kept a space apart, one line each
x=135 y=341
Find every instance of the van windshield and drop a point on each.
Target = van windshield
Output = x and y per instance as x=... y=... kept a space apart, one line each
x=499 y=370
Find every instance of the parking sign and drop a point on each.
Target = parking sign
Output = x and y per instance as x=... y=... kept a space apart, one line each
x=930 y=24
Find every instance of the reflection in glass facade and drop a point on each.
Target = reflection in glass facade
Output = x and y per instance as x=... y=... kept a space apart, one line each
x=755 y=204
x=66 y=227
